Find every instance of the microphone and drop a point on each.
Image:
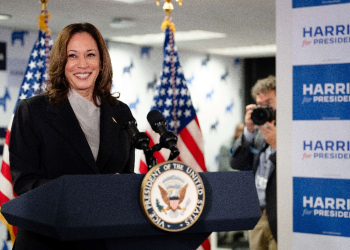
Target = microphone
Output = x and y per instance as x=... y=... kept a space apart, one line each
x=140 y=140
x=168 y=139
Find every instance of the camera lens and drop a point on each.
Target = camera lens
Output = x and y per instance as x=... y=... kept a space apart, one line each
x=262 y=114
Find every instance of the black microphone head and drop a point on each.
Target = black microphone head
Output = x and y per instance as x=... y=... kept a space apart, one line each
x=125 y=118
x=155 y=117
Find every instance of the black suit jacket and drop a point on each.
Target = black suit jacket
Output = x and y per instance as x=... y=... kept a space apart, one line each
x=47 y=142
x=243 y=159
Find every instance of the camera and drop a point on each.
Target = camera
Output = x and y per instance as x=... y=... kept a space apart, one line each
x=263 y=114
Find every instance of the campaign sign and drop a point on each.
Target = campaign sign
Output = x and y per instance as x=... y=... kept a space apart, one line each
x=312 y=3
x=321 y=206
x=321 y=149
x=321 y=92
x=320 y=40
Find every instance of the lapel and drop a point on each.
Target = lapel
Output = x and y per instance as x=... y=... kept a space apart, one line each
x=109 y=131
x=68 y=126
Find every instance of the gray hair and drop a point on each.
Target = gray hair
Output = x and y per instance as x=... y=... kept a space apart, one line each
x=263 y=86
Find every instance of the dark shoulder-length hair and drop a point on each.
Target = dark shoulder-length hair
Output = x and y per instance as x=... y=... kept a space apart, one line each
x=58 y=86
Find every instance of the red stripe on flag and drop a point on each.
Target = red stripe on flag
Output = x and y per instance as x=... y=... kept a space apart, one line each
x=159 y=157
x=3 y=198
x=151 y=142
x=196 y=119
x=143 y=167
x=193 y=148
x=5 y=170
x=7 y=137
x=206 y=244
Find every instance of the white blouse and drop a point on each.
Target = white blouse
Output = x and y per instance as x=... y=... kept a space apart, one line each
x=88 y=116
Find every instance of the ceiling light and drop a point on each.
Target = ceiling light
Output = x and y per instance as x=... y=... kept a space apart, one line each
x=247 y=51
x=159 y=38
x=5 y=16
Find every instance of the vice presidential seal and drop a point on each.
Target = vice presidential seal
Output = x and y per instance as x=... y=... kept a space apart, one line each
x=172 y=196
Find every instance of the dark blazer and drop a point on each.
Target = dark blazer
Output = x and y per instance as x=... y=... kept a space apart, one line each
x=247 y=159
x=47 y=142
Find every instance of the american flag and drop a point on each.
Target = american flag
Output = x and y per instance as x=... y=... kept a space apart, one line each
x=172 y=98
x=34 y=82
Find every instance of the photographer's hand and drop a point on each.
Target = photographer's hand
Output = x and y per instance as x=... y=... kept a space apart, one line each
x=247 y=119
x=268 y=131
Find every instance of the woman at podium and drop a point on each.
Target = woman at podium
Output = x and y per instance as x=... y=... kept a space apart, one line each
x=73 y=128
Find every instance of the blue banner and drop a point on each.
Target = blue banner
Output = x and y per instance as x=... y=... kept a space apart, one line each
x=321 y=206
x=312 y=3
x=321 y=92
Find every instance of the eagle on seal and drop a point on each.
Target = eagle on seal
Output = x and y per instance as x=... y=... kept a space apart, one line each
x=174 y=198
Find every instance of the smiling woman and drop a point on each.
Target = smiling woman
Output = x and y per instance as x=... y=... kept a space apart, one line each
x=72 y=45
x=83 y=64
x=70 y=130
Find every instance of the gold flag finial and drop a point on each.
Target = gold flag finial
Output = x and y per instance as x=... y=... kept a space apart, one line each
x=44 y=17
x=43 y=4
x=168 y=8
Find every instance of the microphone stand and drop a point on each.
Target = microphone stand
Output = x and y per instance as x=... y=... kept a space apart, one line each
x=151 y=161
x=174 y=152
x=141 y=141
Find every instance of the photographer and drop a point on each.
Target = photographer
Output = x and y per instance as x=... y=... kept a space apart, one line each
x=255 y=151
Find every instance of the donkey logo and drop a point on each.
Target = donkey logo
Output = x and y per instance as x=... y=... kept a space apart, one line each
x=3 y=99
